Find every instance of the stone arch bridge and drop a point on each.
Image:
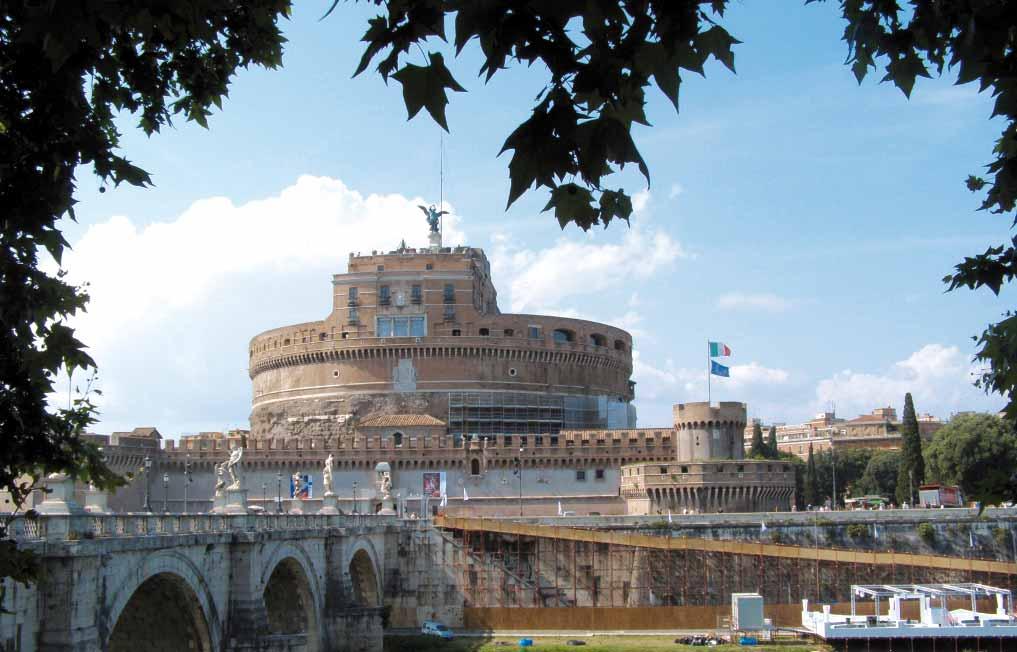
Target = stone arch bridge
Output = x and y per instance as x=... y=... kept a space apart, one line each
x=206 y=582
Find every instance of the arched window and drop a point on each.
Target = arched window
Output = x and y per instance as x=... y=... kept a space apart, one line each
x=596 y=339
x=563 y=335
x=397 y=439
x=619 y=345
x=474 y=466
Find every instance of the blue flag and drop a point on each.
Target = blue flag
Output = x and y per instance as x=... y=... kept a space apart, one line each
x=718 y=369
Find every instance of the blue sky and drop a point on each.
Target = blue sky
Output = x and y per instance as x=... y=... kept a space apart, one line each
x=800 y=218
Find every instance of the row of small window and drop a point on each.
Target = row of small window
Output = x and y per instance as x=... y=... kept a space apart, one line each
x=416 y=294
x=598 y=474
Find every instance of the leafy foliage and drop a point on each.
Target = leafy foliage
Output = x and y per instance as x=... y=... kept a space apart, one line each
x=66 y=70
x=758 y=450
x=858 y=531
x=978 y=452
x=811 y=483
x=927 y=533
x=600 y=58
x=880 y=475
x=771 y=444
x=850 y=465
x=911 y=472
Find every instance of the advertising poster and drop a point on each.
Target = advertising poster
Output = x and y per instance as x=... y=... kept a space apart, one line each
x=434 y=484
x=301 y=486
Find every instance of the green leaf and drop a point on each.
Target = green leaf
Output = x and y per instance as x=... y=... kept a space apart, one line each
x=424 y=87
x=572 y=203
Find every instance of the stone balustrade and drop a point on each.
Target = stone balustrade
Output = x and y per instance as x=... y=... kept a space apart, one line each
x=97 y=526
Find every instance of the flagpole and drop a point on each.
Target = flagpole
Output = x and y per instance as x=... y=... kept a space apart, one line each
x=709 y=372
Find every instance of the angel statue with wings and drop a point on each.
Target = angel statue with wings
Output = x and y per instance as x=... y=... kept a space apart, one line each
x=433 y=215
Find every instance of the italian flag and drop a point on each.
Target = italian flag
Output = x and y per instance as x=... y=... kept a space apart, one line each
x=719 y=349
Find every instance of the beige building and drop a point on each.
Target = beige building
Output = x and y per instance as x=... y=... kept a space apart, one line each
x=878 y=429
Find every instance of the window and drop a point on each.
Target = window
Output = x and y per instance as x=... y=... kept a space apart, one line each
x=345 y=335
x=563 y=336
x=580 y=475
x=397 y=439
x=508 y=441
x=322 y=336
x=416 y=296
x=428 y=266
x=598 y=474
x=596 y=339
x=456 y=332
x=381 y=268
x=354 y=315
x=509 y=332
x=450 y=313
x=286 y=342
x=619 y=345
x=685 y=469
x=450 y=293
x=663 y=470
x=484 y=332
x=352 y=295
x=474 y=466
x=401 y=327
x=384 y=295
x=535 y=333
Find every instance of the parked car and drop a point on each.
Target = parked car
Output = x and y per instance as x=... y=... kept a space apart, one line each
x=434 y=628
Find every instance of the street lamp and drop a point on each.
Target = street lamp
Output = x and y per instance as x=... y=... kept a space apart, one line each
x=833 y=468
x=278 y=492
x=354 y=496
x=148 y=469
x=264 y=493
x=165 y=493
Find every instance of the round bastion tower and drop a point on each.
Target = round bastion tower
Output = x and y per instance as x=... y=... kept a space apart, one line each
x=708 y=432
x=709 y=472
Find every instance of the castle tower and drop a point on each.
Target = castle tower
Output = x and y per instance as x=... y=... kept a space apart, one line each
x=708 y=432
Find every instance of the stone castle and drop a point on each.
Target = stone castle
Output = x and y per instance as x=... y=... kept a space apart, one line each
x=489 y=413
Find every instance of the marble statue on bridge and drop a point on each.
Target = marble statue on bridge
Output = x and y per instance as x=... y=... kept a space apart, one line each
x=326 y=476
x=233 y=467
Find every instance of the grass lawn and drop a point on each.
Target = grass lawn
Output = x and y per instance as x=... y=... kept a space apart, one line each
x=593 y=644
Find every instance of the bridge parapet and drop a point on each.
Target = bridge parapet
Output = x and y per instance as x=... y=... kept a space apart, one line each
x=73 y=527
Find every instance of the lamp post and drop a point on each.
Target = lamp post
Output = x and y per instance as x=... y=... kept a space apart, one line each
x=165 y=493
x=264 y=493
x=148 y=473
x=354 y=496
x=278 y=492
x=187 y=477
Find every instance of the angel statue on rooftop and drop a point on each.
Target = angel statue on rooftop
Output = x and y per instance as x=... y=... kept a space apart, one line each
x=433 y=215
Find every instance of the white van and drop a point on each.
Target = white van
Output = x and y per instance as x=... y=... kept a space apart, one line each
x=434 y=628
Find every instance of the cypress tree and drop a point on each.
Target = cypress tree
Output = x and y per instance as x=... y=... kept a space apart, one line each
x=772 y=444
x=811 y=488
x=911 y=471
x=758 y=450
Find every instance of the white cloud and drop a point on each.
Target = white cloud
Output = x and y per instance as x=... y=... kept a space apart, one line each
x=676 y=190
x=762 y=301
x=666 y=380
x=540 y=278
x=939 y=378
x=173 y=304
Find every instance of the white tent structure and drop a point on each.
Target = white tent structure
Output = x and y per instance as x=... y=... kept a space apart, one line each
x=936 y=620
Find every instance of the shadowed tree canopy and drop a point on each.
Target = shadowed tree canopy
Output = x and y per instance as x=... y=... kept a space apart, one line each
x=880 y=475
x=810 y=488
x=771 y=444
x=977 y=452
x=66 y=70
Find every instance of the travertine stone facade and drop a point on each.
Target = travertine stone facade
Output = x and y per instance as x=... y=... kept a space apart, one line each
x=419 y=332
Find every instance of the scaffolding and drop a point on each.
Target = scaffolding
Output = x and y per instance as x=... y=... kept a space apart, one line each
x=523 y=413
x=512 y=564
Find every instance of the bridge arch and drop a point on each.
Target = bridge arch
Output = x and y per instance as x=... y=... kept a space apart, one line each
x=365 y=579
x=163 y=603
x=291 y=593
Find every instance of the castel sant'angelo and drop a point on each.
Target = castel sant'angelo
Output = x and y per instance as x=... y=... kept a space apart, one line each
x=415 y=367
